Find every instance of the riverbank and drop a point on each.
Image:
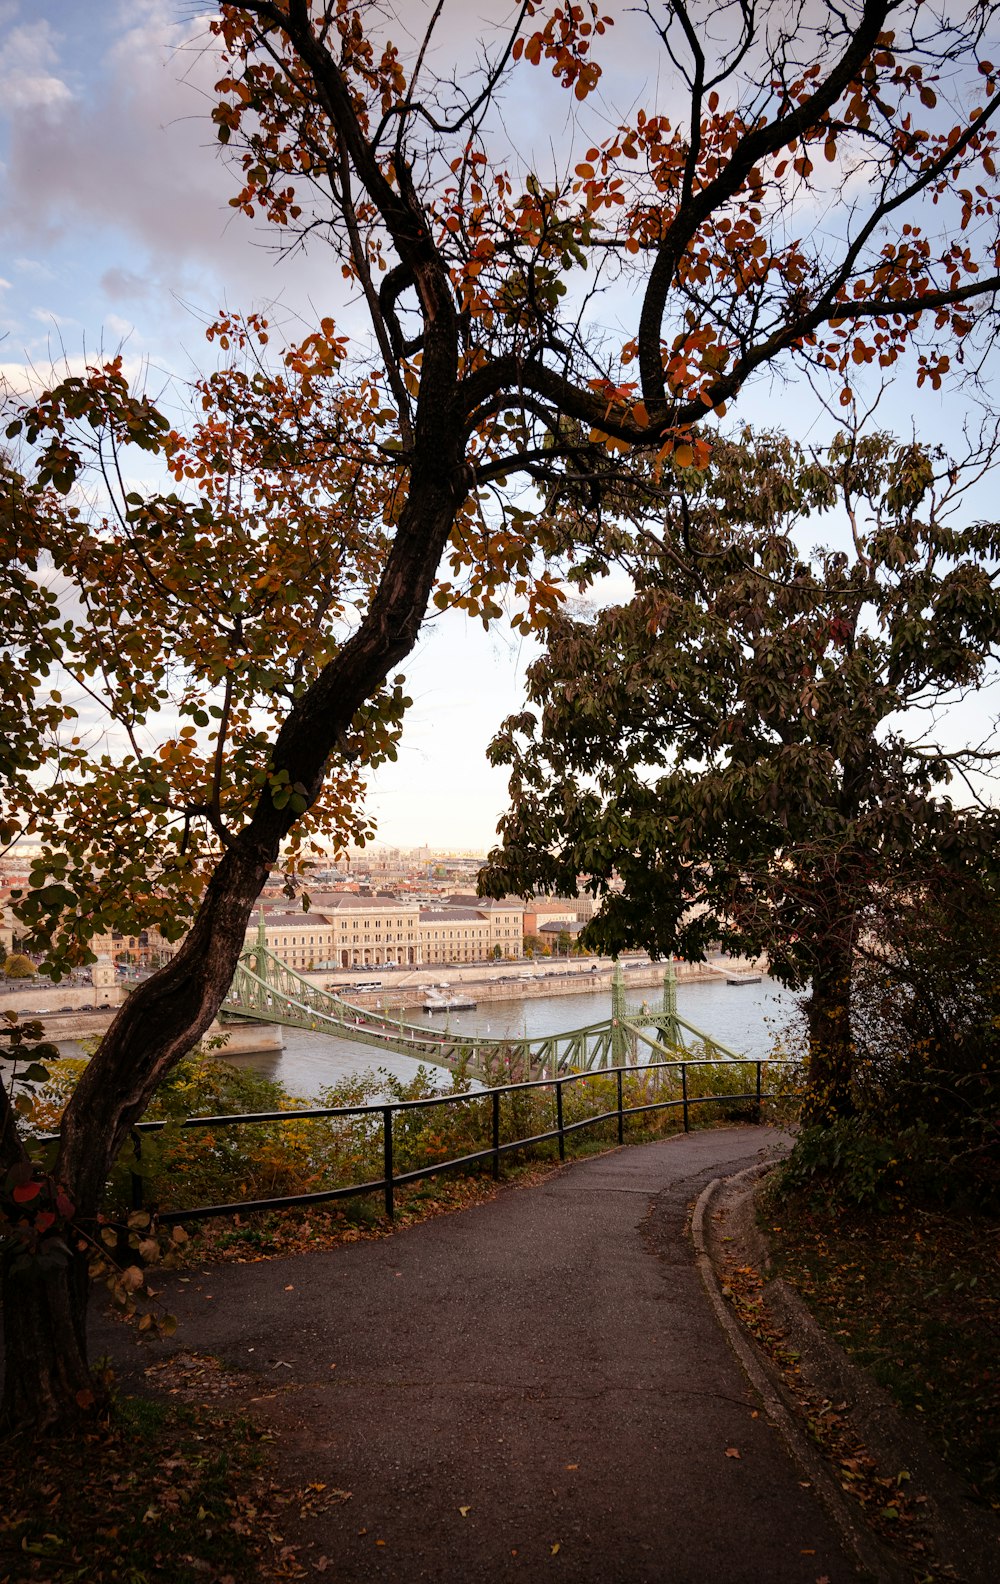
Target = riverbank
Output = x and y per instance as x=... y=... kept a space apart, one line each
x=406 y=991
x=506 y=983
x=65 y=1028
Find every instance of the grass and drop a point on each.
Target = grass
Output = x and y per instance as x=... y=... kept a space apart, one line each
x=913 y=1295
x=158 y=1493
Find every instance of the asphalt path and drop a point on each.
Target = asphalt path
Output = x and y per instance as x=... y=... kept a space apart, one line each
x=535 y=1388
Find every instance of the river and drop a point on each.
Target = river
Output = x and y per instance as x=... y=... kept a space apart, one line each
x=749 y=1018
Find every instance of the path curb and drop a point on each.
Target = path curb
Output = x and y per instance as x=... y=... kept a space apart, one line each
x=869 y=1555
x=966 y=1538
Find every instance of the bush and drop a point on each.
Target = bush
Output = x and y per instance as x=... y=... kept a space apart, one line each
x=18 y=966
x=861 y=1162
x=183 y=1168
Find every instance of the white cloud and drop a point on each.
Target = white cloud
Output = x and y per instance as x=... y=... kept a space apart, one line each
x=30 y=378
x=26 y=83
x=35 y=268
x=121 y=328
x=50 y=317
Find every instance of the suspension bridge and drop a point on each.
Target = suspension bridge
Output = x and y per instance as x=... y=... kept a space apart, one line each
x=266 y=990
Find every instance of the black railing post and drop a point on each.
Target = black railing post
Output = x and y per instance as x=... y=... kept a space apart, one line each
x=496 y=1135
x=621 y=1113
x=136 y=1177
x=684 y=1096
x=759 y=1065
x=387 y=1155
x=559 y=1119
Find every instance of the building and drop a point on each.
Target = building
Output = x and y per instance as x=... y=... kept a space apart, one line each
x=345 y=930
x=541 y=911
x=148 y=949
x=472 y=929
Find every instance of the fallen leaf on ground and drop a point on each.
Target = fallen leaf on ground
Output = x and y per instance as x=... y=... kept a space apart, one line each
x=733 y=1452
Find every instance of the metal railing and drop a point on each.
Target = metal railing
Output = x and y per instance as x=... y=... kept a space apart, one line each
x=392 y=1179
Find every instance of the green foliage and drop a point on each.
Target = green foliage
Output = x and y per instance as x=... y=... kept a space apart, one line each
x=221 y=596
x=873 y=1162
x=185 y=1167
x=723 y=755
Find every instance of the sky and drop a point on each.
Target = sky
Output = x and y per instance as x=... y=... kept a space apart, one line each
x=116 y=233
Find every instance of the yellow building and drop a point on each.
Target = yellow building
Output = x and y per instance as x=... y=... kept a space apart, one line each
x=345 y=930
x=145 y=949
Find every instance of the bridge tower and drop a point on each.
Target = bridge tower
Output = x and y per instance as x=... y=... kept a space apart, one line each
x=260 y=961
x=619 y=1012
x=670 y=1028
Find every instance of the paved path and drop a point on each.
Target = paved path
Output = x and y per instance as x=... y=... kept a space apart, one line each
x=548 y=1361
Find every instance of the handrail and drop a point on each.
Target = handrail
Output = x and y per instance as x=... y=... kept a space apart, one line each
x=392 y=1179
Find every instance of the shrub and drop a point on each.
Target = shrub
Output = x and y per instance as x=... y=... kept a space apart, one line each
x=18 y=966
x=862 y=1162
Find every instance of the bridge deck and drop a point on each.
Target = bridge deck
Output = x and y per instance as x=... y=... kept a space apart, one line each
x=267 y=990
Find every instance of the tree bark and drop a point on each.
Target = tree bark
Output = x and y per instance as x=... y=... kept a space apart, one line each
x=46 y=1366
x=47 y=1380
x=831 y=1045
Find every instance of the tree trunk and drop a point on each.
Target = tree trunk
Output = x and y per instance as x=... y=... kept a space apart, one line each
x=165 y=1016
x=45 y=1341
x=831 y=1047
x=47 y=1377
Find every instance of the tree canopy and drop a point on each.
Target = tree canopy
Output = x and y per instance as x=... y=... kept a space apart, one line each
x=743 y=745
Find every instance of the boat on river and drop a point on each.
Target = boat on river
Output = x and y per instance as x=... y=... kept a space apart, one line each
x=450 y=1003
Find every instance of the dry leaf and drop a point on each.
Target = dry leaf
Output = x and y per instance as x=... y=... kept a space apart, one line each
x=465 y=1511
x=733 y=1452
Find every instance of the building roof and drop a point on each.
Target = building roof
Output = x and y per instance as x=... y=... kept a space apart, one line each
x=466 y=899
x=453 y=915
x=348 y=902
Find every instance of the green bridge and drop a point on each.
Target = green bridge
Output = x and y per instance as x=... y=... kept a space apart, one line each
x=265 y=990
